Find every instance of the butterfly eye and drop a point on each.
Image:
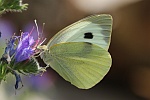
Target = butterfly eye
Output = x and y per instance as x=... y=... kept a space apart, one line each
x=88 y=35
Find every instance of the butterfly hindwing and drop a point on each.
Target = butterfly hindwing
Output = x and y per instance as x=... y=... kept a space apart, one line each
x=83 y=64
x=95 y=29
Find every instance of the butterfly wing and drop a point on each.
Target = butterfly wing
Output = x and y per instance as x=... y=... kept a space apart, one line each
x=81 y=63
x=95 y=29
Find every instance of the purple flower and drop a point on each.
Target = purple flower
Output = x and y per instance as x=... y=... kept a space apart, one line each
x=10 y=46
x=25 y=48
x=9 y=50
x=19 y=55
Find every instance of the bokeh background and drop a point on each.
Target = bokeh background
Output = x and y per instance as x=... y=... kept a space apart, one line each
x=129 y=76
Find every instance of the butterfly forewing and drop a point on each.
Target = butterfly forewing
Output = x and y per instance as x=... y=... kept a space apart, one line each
x=83 y=64
x=95 y=29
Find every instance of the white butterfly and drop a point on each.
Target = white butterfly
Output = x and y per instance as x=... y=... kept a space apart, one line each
x=79 y=52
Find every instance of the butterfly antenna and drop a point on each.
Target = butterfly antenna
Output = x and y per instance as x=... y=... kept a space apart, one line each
x=42 y=41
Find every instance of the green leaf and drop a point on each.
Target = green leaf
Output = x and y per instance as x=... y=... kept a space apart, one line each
x=3 y=71
x=29 y=66
x=12 y=6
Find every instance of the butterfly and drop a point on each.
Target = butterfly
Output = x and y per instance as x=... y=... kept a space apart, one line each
x=79 y=52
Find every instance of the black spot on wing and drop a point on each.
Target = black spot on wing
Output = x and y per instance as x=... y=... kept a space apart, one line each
x=88 y=35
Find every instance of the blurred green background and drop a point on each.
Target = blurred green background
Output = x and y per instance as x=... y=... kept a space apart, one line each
x=128 y=78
